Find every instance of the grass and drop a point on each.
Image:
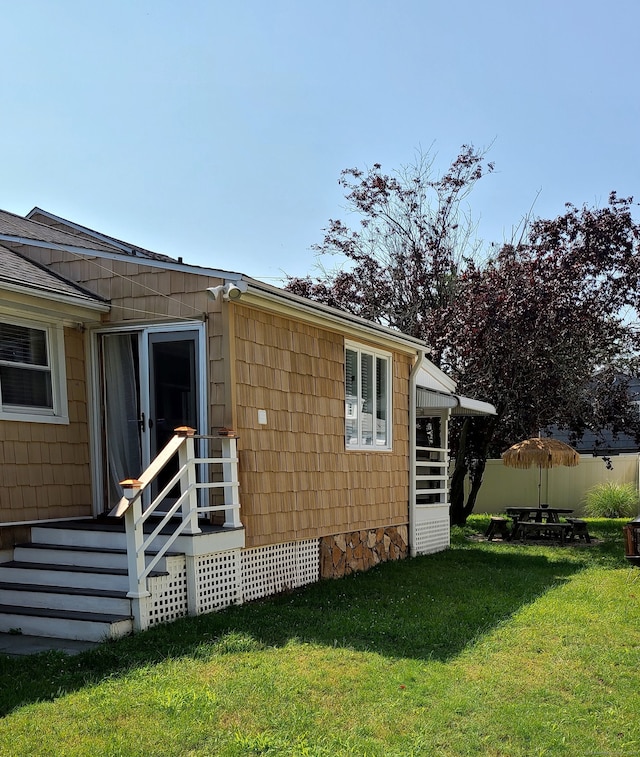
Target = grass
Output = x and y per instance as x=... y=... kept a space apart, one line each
x=486 y=649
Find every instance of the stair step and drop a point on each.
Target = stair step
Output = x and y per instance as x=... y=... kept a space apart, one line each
x=67 y=575
x=65 y=598
x=58 y=554
x=64 y=624
x=81 y=534
x=110 y=533
x=99 y=557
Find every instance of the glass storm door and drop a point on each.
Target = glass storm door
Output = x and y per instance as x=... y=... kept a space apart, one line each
x=173 y=390
x=150 y=386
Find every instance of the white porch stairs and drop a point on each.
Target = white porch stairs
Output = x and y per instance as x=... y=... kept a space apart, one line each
x=89 y=580
x=69 y=582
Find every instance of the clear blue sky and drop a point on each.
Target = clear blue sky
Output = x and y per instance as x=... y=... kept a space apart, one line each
x=217 y=130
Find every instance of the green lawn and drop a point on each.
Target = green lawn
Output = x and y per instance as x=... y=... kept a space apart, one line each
x=486 y=649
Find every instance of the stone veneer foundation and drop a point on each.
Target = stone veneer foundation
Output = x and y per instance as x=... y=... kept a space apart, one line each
x=360 y=550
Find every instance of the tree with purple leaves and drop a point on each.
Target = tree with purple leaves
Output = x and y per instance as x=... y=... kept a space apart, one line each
x=544 y=326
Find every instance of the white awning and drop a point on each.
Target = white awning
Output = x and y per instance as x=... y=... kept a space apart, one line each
x=468 y=406
x=428 y=400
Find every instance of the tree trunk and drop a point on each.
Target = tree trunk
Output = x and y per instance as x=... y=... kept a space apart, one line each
x=476 y=483
x=459 y=509
x=457 y=515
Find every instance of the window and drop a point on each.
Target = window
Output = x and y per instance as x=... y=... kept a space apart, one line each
x=367 y=398
x=29 y=386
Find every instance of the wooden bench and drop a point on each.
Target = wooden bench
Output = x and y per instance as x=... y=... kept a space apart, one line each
x=497 y=527
x=528 y=528
x=578 y=530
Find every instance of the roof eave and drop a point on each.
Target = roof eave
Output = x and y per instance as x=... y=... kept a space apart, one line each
x=62 y=299
x=269 y=293
x=258 y=292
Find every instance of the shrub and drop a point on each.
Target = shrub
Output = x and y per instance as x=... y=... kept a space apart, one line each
x=611 y=500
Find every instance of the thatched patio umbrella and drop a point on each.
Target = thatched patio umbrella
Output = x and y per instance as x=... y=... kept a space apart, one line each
x=545 y=453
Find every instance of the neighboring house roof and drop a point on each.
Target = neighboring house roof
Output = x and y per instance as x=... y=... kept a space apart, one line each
x=19 y=274
x=603 y=442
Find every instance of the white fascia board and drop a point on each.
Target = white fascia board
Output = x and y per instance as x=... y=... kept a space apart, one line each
x=50 y=305
x=84 y=252
x=431 y=377
x=277 y=300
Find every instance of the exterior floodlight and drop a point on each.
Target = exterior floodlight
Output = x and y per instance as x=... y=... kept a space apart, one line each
x=229 y=291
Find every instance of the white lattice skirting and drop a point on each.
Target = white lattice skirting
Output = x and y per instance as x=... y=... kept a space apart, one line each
x=432 y=536
x=270 y=570
x=232 y=577
x=168 y=599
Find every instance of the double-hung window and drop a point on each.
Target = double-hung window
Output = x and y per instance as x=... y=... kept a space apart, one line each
x=30 y=388
x=367 y=398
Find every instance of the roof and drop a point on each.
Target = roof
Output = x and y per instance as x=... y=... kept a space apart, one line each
x=18 y=273
x=94 y=237
x=41 y=227
x=15 y=228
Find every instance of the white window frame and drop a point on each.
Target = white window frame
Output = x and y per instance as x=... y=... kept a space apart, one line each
x=54 y=335
x=352 y=412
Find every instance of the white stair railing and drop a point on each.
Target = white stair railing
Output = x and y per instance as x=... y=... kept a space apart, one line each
x=182 y=515
x=432 y=476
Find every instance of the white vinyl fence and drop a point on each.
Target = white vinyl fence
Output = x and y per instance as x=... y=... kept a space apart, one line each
x=504 y=487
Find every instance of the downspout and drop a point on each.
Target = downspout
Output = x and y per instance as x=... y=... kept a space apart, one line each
x=413 y=399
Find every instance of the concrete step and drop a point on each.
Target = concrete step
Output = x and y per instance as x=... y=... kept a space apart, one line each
x=64 y=624
x=65 y=598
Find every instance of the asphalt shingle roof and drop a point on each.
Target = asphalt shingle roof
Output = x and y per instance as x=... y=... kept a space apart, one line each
x=17 y=270
x=53 y=230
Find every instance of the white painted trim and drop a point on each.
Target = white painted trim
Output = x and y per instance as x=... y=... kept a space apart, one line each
x=413 y=377
x=277 y=300
x=59 y=413
x=360 y=349
x=63 y=299
x=8 y=524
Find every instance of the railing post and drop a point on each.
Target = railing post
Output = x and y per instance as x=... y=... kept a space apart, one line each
x=186 y=457
x=135 y=556
x=230 y=475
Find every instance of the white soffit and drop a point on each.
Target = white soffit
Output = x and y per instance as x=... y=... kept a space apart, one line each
x=431 y=377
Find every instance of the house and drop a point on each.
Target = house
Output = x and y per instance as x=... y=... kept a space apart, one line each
x=175 y=438
x=605 y=442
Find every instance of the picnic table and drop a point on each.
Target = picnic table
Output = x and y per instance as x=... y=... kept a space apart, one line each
x=539 y=521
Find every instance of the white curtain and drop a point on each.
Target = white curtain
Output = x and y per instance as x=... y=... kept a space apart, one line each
x=122 y=412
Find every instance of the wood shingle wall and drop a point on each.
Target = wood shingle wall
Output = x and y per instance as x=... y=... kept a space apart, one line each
x=45 y=467
x=140 y=293
x=296 y=479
